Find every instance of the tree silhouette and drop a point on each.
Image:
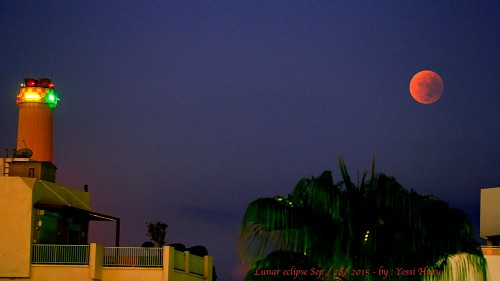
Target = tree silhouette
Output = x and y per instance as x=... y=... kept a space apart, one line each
x=372 y=225
x=157 y=232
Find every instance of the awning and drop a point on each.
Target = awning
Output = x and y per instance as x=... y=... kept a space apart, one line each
x=92 y=216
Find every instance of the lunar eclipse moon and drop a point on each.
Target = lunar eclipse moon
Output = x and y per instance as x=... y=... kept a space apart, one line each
x=426 y=87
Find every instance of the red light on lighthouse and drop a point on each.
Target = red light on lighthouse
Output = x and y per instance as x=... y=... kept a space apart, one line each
x=36 y=100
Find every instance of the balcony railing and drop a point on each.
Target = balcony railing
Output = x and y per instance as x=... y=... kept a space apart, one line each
x=60 y=254
x=196 y=263
x=133 y=257
x=491 y=250
x=117 y=257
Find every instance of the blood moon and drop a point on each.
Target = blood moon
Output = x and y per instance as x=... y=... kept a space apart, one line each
x=426 y=87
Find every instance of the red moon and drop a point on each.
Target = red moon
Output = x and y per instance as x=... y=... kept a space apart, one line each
x=426 y=87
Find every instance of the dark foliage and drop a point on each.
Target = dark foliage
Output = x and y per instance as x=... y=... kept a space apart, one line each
x=365 y=226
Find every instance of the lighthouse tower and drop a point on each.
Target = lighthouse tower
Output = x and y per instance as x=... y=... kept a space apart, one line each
x=36 y=100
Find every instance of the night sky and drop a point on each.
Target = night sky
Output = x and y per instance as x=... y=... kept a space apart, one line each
x=186 y=111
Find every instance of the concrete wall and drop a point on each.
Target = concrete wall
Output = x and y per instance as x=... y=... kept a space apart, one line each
x=16 y=209
x=81 y=273
x=490 y=212
x=48 y=272
x=131 y=273
x=493 y=267
x=490 y=227
x=17 y=219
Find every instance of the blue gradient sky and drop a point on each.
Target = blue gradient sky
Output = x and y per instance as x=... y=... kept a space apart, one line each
x=186 y=111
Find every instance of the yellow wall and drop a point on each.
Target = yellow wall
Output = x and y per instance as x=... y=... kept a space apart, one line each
x=493 y=267
x=130 y=273
x=181 y=276
x=16 y=209
x=81 y=273
x=17 y=197
x=53 y=272
x=490 y=212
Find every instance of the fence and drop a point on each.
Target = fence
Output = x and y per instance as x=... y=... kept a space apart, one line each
x=133 y=257
x=116 y=257
x=60 y=254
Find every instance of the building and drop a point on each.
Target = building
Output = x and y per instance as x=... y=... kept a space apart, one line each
x=44 y=226
x=490 y=229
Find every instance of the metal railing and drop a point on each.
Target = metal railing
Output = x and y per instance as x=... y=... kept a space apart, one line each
x=133 y=257
x=60 y=254
x=114 y=257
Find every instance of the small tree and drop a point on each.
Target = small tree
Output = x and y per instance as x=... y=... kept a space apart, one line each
x=157 y=232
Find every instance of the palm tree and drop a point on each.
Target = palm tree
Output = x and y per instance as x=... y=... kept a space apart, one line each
x=369 y=227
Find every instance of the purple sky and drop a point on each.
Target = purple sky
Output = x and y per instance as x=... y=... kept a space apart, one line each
x=187 y=111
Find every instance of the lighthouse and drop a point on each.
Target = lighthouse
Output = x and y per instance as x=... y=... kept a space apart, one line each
x=37 y=101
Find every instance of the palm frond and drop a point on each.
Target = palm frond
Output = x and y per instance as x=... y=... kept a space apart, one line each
x=376 y=223
x=273 y=224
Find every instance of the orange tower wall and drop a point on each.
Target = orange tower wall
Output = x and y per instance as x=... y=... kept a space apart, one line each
x=35 y=129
